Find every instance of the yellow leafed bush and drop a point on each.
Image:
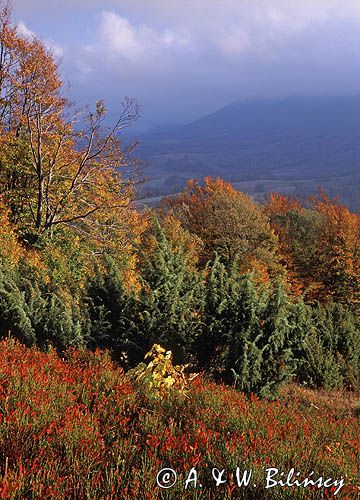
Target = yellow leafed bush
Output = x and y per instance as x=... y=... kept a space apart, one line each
x=159 y=375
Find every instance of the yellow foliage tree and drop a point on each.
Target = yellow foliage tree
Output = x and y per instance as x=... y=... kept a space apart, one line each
x=53 y=174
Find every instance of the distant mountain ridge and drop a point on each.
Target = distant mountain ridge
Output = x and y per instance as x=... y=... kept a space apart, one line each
x=296 y=144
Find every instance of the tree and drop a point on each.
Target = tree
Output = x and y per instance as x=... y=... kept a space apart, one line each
x=320 y=246
x=112 y=315
x=170 y=298
x=10 y=249
x=347 y=332
x=321 y=365
x=339 y=252
x=298 y=233
x=243 y=351
x=278 y=364
x=216 y=319
x=35 y=315
x=165 y=310
x=228 y=222
x=58 y=174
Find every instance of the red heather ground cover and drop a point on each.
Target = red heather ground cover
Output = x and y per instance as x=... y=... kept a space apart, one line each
x=75 y=428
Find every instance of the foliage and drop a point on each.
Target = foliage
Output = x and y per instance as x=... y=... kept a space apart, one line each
x=162 y=311
x=222 y=323
x=112 y=311
x=244 y=360
x=339 y=253
x=320 y=246
x=75 y=427
x=178 y=238
x=52 y=173
x=29 y=312
x=246 y=335
x=330 y=354
x=159 y=376
x=10 y=248
x=228 y=222
x=170 y=298
x=253 y=294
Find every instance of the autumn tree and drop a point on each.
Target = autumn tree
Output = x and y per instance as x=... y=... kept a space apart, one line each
x=228 y=222
x=339 y=252
x=179 y=239
x=320 y=246
x=10 y=249
x=297 y=229
x=58 y=174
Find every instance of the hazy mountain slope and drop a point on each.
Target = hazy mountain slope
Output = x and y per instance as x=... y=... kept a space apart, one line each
x=295 y=144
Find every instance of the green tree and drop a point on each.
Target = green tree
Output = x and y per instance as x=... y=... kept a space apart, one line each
x=35 y=315
x=278 y=364
x=170 y=298
x=216 y=318
x=113 y=315
x=244 y=356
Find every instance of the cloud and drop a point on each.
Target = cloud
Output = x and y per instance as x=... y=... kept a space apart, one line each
x=118 y=37
x=204 y=29
x=25 y=32
x=184 y=58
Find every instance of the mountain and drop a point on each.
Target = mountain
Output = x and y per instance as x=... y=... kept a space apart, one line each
x=293 y=145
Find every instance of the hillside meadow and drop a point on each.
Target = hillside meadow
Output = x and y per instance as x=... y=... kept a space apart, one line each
x=76 y=427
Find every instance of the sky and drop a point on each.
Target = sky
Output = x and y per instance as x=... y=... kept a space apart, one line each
x=183 y=59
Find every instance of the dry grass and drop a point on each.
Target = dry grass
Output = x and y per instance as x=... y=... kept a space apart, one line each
x=342 y=402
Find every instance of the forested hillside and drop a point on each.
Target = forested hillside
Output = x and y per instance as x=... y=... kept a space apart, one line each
x=252 y=293
x=292 y=145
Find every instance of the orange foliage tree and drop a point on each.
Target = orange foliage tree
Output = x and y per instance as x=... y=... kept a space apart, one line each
x=286 y=216
x=10 y=249
x=339 y=251
x=53 y=173
x=229 y=223
x=320 y=245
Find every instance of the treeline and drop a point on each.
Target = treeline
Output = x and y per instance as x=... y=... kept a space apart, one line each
x=252 y=294
x=224 y=323
x=218 y=320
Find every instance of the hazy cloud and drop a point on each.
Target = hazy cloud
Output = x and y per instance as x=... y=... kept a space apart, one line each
x=183 y=58
x=118 y=36
x=50 y=44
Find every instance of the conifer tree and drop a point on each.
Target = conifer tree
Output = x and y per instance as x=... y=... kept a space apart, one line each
x=34 y=315
x=14 y=317
x=246 y=335
x=347 y=333
x=170 y=298
x=277 y=358
x=112 y=315
x=302 y=327
x=321 y=366
x=209 y=344
x=243 y=341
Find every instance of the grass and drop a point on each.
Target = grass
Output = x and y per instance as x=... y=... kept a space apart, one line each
x=74 y=427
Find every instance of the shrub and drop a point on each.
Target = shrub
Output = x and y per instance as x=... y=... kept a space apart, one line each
x=32 y=314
